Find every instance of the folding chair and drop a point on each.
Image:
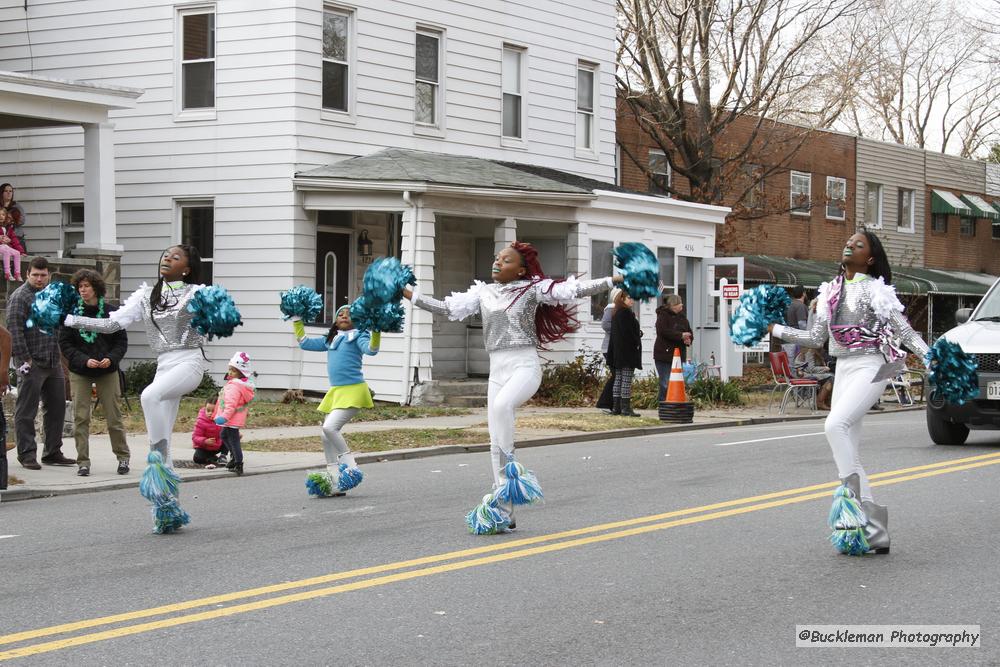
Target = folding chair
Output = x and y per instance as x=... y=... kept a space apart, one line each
x=801 y=390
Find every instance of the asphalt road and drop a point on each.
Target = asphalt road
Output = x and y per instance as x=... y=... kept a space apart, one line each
x=647 y=551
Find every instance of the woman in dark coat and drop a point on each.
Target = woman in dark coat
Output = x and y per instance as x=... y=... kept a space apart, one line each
x=624 y=354
x=673 y=331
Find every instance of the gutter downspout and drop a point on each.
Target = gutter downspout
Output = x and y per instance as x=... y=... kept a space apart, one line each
x=407 y=385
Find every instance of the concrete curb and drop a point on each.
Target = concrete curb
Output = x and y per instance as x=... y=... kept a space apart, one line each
x=15 y=493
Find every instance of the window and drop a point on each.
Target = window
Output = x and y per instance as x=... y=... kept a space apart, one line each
x=198 y=229
x=873 y=205
x=801 y=193
x=754 y=175
x=513 y=102
x=197 y=59
x=904 y=211
x=967 y=226
x=600 y=265
x=836 y=198
x=336 y=59
x=72 y=226
x=585 y=75
x=427 y=91
x=659 y=173
x=665 y=257
x=939 y=223
x=996 y=231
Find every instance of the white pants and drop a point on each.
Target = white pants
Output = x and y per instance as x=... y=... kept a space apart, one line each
x=514 y=378
x=334 y=445
x=854 y=394
x=178 y=372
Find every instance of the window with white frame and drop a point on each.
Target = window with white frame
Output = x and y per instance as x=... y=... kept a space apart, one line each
x=336 y=59
x=904 y=210
x=659 y=172
x=427 y=86
x=801 y=188
x=666 y=257
x=600 y=265
x=72 y=226
x=836 y=198
x=513 y=98
x=198 y=229
x=873 y=205
x=197 y=39
x=586 y=75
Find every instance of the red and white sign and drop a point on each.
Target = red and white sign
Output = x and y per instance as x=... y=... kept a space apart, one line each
x=731 y=291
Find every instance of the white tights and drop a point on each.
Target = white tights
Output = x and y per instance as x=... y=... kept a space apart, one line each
x=177 y=373
x=853 y=395
x=514 y=378
x=334 y=445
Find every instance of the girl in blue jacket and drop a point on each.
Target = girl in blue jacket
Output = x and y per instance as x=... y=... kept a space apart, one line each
x=344 y=346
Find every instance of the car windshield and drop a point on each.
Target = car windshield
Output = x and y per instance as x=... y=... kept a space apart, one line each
x=989 y=308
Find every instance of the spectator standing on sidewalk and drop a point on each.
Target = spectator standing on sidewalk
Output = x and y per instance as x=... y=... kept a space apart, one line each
x=40 y=375
x=4 y=366
x=673 y=331
x=625 y=354
x=93 y=360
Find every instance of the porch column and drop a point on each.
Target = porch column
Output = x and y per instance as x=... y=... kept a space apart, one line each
x=504 y=233
x=418 y=250
x=578 y=250
x=99 y=233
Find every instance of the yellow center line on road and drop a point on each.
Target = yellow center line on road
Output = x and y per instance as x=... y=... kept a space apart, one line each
x=801 y=494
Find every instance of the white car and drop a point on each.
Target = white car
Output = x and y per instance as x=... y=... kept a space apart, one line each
x=978 y=333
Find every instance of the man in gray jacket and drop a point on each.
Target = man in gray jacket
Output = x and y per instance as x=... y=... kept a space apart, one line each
x=40 y=375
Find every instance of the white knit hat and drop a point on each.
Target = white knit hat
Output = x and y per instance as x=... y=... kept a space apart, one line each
x=241 y=362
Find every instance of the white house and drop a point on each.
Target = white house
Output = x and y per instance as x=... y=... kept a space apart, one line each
x=287 y=138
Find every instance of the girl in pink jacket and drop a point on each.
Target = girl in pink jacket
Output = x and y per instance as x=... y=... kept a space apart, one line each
x=231 y=410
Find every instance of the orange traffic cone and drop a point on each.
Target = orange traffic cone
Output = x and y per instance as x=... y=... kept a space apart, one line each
x=675 y=408
x=675 y=388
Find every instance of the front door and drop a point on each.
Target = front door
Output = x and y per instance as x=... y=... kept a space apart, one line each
x=333 y=264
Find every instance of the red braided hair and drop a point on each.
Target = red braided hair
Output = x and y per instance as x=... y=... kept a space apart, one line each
x=552 y=321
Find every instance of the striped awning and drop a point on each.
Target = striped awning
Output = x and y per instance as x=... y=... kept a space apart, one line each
x=943 y=201
x=980 y=208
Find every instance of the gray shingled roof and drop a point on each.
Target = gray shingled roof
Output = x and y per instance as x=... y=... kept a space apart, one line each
x=400 y=165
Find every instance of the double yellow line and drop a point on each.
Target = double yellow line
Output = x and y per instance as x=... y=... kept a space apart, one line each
x=312 y=588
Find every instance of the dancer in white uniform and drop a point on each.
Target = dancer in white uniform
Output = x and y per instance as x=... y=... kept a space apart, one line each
x=862 y=318
x=180 y=361
x=521 y=311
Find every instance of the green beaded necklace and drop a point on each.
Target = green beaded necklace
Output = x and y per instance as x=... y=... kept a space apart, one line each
x=90 y=336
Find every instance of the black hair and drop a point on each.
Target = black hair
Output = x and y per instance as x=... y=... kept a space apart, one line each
x=95 y=279
x=798 y=292
x=156 y=299
x=39 y=263
x=880 y=261
x=333 y=330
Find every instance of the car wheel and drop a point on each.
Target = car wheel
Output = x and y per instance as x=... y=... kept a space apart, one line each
x=944 y=432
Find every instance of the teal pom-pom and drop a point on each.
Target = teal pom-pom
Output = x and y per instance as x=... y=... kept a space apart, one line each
x=301 y=301
x=488 y=518
x=160 y=486
x=845 y=513
x=756 y=309
x=51 y=306
x=385 y=280
x=850 y=541
x=320 y=484
x=641 y=270
x=368 y=315
x=521 y=486
x=349 y=477
x=952 y=372
x=215 y=312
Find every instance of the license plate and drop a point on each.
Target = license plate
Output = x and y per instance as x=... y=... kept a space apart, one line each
x=993 y=391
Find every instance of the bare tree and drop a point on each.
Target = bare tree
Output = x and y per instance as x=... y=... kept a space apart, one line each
x=689 y=70
x=930 y=79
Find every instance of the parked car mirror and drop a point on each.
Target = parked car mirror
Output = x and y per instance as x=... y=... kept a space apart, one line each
x=962 y=315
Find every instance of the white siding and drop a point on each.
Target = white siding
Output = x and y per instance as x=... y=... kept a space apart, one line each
x=268 y=125
x=993 y=179
x=895 y=167
x=954 y=172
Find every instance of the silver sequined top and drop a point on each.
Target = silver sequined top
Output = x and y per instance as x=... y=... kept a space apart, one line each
x=172 y=329
x=856 y=307
x=509 y=321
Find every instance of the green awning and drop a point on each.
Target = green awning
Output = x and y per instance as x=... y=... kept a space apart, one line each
x=810 y=273
x=943 y=201
x=980 y=208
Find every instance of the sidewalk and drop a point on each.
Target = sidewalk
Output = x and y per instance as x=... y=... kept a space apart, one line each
x=61 y=480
